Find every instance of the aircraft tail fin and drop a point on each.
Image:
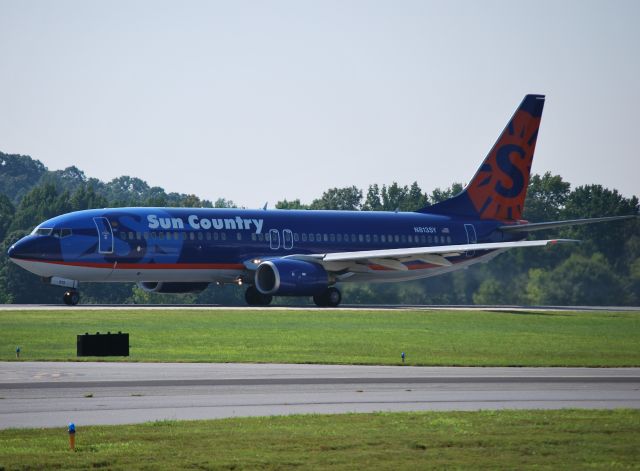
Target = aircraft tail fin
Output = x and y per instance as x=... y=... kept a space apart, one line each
x=499 y=187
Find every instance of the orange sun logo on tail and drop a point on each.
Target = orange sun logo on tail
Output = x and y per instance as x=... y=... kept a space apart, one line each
x=498 y=189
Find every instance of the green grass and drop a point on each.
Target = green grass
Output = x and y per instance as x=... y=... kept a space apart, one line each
x=339 y=337
x=566 y=439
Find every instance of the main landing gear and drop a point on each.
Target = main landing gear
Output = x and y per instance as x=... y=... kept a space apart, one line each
x=256 y=298
x=331 y=297
x=71 y=297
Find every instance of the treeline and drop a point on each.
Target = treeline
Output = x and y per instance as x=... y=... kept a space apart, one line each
x=603 y=270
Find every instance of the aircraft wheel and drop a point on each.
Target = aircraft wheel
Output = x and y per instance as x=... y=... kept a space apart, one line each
x=333 y=297
x=253 y=297
x=71 y=298
x=319 y=300
x=330 y=297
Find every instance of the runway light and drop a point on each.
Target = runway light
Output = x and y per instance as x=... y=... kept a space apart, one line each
x=72 y=436
x=402 y=355
x=17 y=352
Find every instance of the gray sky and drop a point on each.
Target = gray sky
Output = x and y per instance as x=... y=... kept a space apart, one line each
x=259 y=101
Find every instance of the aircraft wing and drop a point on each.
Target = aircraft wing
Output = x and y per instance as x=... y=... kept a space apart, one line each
x=540 y=226
x=394 y=258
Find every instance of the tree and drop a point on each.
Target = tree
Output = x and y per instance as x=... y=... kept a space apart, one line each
x=578 y=280
x=546 y=197
x=7 y=212
x=438 y=195
x=85 y=197
x=224 y=203
x=293 y=204
x=345 y=199
x=608 y=238
x=42 y=202
x=18 y=175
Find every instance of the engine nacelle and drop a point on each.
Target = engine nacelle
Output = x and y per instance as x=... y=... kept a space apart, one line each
x=285 y=277
x=173 y=287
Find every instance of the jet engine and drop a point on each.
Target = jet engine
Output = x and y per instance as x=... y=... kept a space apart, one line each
x=286 y=277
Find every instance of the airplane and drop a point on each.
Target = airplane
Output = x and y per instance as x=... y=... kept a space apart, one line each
x=298 y=252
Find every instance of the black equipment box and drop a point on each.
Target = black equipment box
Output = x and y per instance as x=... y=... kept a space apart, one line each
x=103 y=345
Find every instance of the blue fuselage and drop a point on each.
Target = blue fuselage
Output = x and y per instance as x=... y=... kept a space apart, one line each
x=196 y=244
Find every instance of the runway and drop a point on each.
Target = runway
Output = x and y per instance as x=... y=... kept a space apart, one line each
x=307 y=307
x=52 y=394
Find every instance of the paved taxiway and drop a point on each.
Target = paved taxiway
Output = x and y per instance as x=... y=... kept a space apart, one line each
x=52 y=394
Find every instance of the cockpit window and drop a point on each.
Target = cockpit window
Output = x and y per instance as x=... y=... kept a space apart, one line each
x=42 y=231
x=61 y=233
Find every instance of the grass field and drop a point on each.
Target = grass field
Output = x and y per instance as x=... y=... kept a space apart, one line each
x=568 y=439
x=338 y=337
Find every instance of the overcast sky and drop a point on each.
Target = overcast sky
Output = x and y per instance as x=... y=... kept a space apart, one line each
x=259 y=101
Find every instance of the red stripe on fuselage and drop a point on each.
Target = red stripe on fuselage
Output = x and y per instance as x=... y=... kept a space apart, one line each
x=147 y=266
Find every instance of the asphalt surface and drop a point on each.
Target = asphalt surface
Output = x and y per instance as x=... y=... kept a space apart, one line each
x=53 y=394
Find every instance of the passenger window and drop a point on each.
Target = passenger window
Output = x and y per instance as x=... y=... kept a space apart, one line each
x=368 y=238
x=161 y=235
x=260 y=237
x=404 y=238
x=254 y=237
x=396 y=238
x=296 y=237
x=146 y=236
x=215 y=236
x=223 y=236
x=360 y=238
x=239 y=235
x=383 y=238
x=318 y=237
x=208 y=236
x=123 y=235
x=375 y=238
x=312 y=238
x=332 y=237
x=449 y=240
x=339 y=237
x=325 y=237
x=200 y=235
x=304 y=237
x=191 y=236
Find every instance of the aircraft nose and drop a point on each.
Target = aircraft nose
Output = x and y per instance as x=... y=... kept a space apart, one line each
x=19 y=250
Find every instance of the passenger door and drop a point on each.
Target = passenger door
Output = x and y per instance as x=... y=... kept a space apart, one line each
x=105 y=235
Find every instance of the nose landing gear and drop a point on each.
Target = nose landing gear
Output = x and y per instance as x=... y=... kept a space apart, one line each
x=71 y=297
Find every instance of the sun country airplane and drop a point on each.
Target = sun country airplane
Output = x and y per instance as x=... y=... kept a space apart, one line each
x=297 y=253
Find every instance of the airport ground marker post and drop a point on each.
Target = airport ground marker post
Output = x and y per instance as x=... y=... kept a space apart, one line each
x=402 y=355
x=18 y=353
x=72 y=436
